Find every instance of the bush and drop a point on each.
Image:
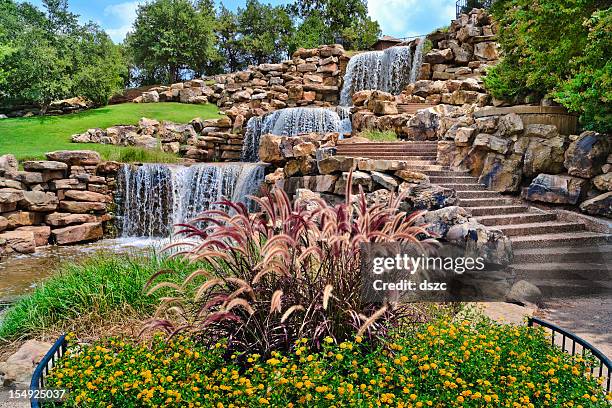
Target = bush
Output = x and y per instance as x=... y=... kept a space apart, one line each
x=287 y=272
x=447 y=364
x=555 y=49
x=95 y=288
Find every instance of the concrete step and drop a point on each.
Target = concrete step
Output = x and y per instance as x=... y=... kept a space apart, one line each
x=523 y=218
x=496 y=210
x=446 y=173
x=431 y=152
x=538 y=228
x=601 y=254
x=562 y=271
x=464 y=186
x=477 y=194
x=403 y=143
x=484 y=202
x=410 y=161
x=465 y=180
x=575 y=239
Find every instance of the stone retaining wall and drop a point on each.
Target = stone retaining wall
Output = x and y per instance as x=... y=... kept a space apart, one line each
x=63 y=200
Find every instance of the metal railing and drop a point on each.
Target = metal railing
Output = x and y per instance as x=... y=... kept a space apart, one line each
x=578 y=346
x=465 y=6
x=44 y=366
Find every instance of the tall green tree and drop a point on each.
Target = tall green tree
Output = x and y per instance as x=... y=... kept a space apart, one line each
x=170 y=37
x=555 y=48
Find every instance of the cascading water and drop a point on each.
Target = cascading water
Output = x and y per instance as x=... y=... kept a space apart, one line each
x=155 y=197
x=288 y=122
x=389 y=71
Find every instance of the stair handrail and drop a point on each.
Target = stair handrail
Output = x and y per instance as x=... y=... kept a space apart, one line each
x=44 y=366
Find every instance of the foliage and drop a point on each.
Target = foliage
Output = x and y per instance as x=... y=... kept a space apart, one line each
x=139 y=155
x=32 y=137
x=49 y=56
x=169 y=37
x=380 y=135
x=446 y=364
x=97 y=286
x=555 y=49
x=287 y=272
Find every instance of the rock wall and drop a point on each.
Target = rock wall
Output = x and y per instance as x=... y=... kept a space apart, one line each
x=71 y=105
x=199 y=140
x=63 y=200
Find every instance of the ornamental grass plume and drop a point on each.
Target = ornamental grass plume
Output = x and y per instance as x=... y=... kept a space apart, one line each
x=287 y=272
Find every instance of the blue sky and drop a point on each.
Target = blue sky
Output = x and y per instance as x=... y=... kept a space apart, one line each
x=399 y=18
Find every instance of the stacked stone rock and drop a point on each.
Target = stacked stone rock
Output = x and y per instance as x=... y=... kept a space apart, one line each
x=195 y=91
x=533 y=159
x=62 y=200
x=199 y=140
x=61 y=107
x=464 y=50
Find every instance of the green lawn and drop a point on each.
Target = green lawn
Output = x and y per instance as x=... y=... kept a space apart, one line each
x=30 y=138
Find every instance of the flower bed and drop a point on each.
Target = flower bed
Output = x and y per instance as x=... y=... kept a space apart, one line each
x=440 y=365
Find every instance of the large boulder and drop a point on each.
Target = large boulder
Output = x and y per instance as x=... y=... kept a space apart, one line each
x=439 y=222
x=41 y=233
x=75 y=157
x=600 y=205
x=336 y=164
x=17 y=370
x=494 y=143
x=558 y=189
x=78 y=233
x=510 y=125
x=426 y=197
x=500 y=173
x=544 y=156
x=481 y=241
x=587 y=154
x=270 y=149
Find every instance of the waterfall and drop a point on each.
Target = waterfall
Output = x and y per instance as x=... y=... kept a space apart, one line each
x=288 y=122
x=389 y=71
x=155 y=197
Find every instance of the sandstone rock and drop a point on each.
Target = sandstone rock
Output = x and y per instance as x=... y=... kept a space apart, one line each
x=426 y=197
x=22 y=242
x=600 y=205
x=386 y=181
x=487 y=51
x=381 y=165
x=269 y=149
x=336 y=164
x=304 y=149
x=41 y=234
x=544 y=156
x=3 y=223
x=502 y=174
x=78 y=233
x=438 y=56
x=556 y=189
x=8 y=162
x=14 y=184
x=464 y=136
x=510 y=125
x=412 y=176
x=9 y=198
x=359 y=178
x=39 y=201
x=14 y=375
x=524 y=292
x=360 y=97
x=586 y=155
x=22 y=218
x=81 y=207
x=64 y=219
x=541 y=131
x=87 y=196
x=603 y=182
x=487 y=124
x=275 y=177
x=43 y=165
x=494 y=143
x=75 y=157
x=385 y=108
x=150 y=97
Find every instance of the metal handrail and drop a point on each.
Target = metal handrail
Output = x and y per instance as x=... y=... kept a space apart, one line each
x=464 y=6
x=44 y=366
x=585 y=345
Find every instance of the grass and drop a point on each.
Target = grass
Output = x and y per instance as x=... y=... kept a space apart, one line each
x=81 y=296
x=30 y=138
x=380 y=135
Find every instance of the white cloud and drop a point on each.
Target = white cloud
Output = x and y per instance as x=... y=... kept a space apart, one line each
x=124 y=15
x=406 y=18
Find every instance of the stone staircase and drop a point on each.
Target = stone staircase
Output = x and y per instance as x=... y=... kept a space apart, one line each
x=548 y=251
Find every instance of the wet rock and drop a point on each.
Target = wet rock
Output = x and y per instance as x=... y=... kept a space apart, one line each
x=22 y=242
x=586 y=155
x=336 y=164
x=600 y=205
x=78 y=233
x=502 y=174
x=38 y=201
x=558 y=189
x=75 y=157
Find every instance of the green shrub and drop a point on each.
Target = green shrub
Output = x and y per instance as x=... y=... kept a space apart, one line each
x=96 y=287
x=447 y=364
x=138 y=155
x=556 y=49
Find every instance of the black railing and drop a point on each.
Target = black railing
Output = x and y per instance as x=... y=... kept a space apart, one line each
x=566 y=339
x=465 y=6
x=42 y=369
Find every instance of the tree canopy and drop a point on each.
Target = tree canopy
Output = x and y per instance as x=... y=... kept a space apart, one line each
x=556 y=49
